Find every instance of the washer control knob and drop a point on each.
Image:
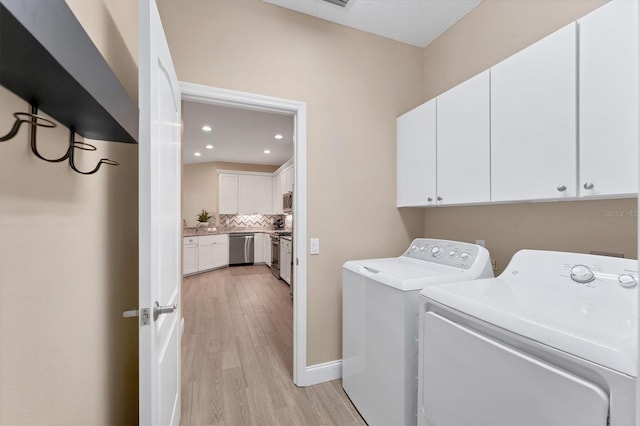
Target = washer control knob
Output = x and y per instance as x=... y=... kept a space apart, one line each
x=465 y=256
x=436 y=251
x=582 y=274
x=627 y=280
x=414 y=248
x=423 y=248
x=453 y=253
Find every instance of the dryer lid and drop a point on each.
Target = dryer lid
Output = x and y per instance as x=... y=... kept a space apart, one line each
x=537 y=298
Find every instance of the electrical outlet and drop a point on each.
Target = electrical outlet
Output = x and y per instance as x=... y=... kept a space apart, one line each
x=494 y=264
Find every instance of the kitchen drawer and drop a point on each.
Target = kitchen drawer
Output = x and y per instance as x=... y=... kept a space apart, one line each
x=190 y=240
x=213 y=239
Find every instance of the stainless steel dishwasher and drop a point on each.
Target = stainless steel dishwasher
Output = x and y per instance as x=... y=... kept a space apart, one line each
x=241 y=248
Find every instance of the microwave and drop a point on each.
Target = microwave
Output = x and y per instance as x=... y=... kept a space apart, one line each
x=287 y=202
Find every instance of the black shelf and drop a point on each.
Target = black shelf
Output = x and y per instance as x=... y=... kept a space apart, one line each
x=47 y=59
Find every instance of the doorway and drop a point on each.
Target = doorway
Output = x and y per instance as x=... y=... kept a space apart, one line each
x=215 y=96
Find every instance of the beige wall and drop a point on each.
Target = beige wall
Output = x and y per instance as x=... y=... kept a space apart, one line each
x=68 y=269
x=200 y=186
x=355 y=85
x=493 y=31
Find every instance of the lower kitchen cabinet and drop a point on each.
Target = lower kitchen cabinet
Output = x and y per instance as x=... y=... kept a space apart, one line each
x=205 y=252
x=285 y=260
x=258 y=248
x=266 y=249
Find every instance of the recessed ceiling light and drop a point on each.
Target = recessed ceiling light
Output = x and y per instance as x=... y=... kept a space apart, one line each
x=197 y=154
x=206 y=128
x=266 y=151
x=278 y=136
x=209 y=146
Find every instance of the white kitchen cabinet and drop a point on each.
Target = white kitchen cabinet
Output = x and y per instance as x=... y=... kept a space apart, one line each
x=258 y=248
x=213 y=251
x=254 y=194
x=288 y=179
x=266 y=249
x=228 y=193
x=609 y=100
x=189 y=255
x=285 y=260
x=533 y=121
x=463 y=143
x=416 y=160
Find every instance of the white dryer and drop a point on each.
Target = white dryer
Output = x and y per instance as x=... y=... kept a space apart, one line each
x=380 y=316
x=551 y=341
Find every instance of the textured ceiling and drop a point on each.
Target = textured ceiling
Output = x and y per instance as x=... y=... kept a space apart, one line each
x=415 y=22
x=237 y=135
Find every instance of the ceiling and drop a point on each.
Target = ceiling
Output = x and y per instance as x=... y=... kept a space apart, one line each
x=414 y=22
x=237 y=135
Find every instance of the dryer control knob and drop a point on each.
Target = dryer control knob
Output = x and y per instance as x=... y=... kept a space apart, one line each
x=582 y=274
x=423 y=248
x=436 y=251
x=627 y=280
x=453 y=253
x=465 y=256
x=414 y=248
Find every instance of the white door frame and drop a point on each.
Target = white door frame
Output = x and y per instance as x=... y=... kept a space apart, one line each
x=216 y=96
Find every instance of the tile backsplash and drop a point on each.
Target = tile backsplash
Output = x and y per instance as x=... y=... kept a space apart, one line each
x=250 y=220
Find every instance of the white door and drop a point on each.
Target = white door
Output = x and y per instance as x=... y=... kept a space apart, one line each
x=159 y=224
x=609 y=100
x=533 y=121
x=416 y=160
x=463 y=157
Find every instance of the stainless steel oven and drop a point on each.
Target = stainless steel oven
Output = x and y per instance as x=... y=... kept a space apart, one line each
x=275 y=255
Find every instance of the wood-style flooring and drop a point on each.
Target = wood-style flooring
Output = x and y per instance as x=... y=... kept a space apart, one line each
x=237 y=355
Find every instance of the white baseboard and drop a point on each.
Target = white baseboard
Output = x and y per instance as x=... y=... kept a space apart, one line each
x=320 y=373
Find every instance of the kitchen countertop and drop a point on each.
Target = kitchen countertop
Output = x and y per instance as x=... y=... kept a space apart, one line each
x=193 y=232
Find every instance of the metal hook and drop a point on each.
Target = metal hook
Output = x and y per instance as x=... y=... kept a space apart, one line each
x=34 y=144
x=73 y=145
x=33 y=119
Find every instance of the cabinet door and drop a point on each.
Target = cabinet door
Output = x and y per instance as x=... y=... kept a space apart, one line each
x=258 y=248
x=277 y=196
x=189 y=259
x=609 y=100
x=228 y=193
x=220 y=254
x=205 y=256
x=254 y=194
x=266 y=247
x=289 y=179
x=463 y=154
x=533 y=121
x=416 y=156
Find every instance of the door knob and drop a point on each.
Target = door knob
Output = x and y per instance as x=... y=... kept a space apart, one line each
x=588 y=185
x=561 y=188
x=159 y=310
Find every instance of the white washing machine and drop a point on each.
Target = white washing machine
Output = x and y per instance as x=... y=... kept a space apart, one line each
x=380 y=316
x=551 y=341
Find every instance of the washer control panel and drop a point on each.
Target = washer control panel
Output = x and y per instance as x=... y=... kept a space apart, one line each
x=449 y=253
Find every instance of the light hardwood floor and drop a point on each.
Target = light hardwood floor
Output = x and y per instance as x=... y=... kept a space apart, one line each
x=237 y=355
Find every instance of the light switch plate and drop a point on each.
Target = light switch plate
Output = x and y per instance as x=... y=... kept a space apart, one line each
x=314 y=246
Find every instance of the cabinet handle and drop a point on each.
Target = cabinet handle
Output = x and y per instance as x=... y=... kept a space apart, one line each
x=588 y=185
x=561 y=188
x=439 y=198
x=429 y=199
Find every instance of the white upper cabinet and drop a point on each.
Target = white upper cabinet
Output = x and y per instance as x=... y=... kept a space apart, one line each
x=463 y=145
x=254 y=194
x=533 y=121
x=609 y=100
x=416 y=157
x=228 y=193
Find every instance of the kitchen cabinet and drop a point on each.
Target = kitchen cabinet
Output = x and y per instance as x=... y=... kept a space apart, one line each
x=463 y=151
x=416 y=160
x=213 y=251
x=266 y=249
x=254 y=194
x=258 y=248
x=285 y=260
x=288 y=179
x=190 y=255
x=533 y=121
x=228 y=193
x=608 y=87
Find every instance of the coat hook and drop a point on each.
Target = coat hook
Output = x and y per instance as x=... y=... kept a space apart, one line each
x=33 y=140
x=73 y=145
x=25 y=117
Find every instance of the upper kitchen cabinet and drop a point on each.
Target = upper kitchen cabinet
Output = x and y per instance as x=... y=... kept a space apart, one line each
x=228 y=193
x=463 y=145
x=48 y=60
x=608 y=60
x=254 y=194
x=416 y=159
x=533 y=121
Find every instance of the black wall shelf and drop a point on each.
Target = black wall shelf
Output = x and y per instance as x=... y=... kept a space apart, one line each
x=47 y=59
